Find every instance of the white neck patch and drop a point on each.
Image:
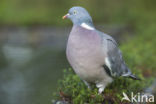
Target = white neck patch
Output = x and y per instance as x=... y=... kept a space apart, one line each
x=84 y=25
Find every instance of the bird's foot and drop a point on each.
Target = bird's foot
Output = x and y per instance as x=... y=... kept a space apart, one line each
x=101 y=88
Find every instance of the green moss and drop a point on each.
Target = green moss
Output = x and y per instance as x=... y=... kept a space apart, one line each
x=72 y=89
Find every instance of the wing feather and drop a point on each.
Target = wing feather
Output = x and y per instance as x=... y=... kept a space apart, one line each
x=114 y=64
x=114 y=60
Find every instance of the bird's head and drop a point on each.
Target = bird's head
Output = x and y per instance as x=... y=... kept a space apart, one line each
x=79 y=15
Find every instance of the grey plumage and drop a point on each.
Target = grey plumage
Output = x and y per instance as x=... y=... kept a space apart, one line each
x=93 y=55
x=118 y=66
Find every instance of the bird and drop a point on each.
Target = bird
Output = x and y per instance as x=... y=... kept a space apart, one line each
x=93 y=55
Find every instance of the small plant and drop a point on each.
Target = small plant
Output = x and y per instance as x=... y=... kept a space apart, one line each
x=74 y=91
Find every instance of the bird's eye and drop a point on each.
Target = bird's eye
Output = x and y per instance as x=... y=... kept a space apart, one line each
x=75 y=11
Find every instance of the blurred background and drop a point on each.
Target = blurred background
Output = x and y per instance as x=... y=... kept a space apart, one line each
x=33 y=38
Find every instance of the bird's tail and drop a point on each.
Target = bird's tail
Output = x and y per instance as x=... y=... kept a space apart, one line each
x=130 y=75
x=134 y=77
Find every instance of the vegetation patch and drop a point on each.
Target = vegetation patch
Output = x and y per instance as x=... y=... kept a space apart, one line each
x=74 y=91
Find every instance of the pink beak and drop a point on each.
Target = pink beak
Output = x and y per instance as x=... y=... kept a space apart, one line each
x=65 y=16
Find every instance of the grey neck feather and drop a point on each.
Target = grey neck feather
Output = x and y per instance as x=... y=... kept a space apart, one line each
x=80 y=21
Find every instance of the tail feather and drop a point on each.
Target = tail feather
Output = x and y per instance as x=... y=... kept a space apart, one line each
x=134 y=77
x=130 y=75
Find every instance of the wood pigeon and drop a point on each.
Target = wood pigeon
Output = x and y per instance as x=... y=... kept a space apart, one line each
x=94 y=55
